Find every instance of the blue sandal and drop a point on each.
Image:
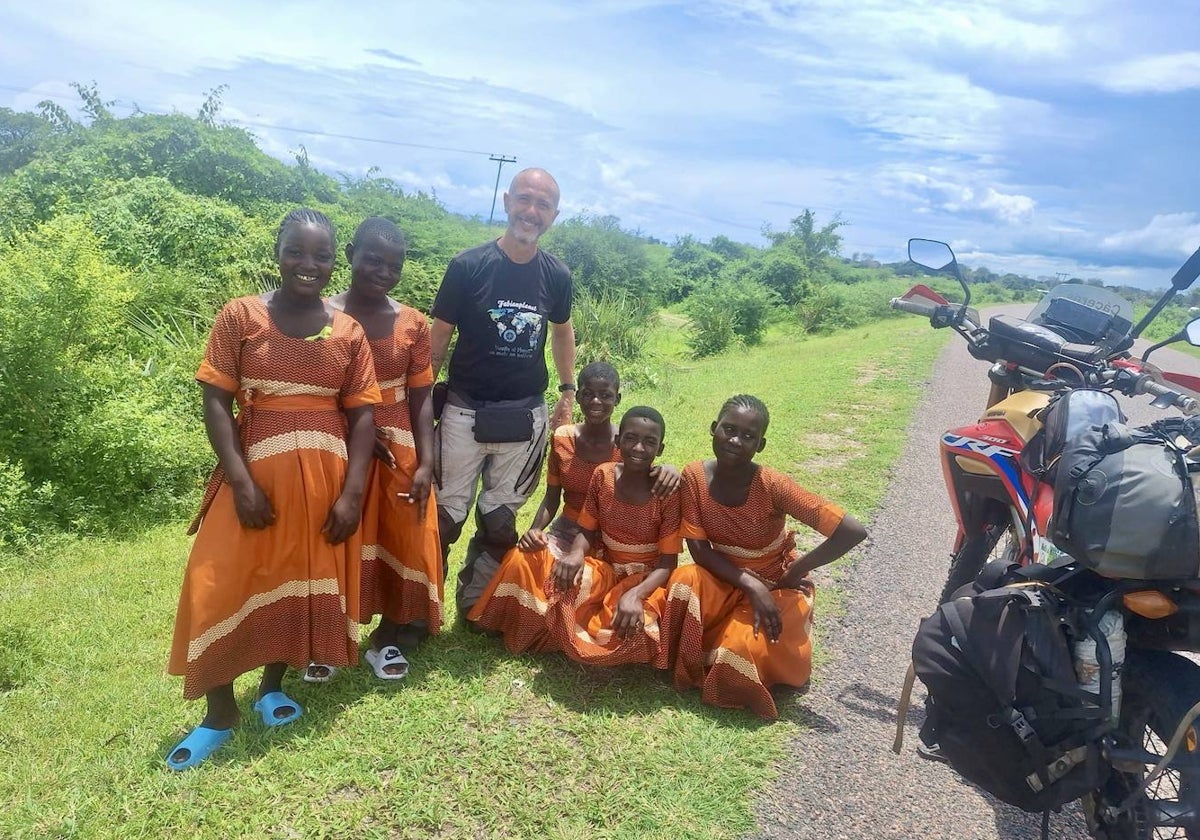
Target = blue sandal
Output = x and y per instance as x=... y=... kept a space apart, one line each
x=200 y=743
x=271 y=703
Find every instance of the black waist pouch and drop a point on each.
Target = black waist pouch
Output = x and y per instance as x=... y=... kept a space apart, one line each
x=503 y=425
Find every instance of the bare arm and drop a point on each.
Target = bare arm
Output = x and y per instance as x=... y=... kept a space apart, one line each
x=567 y=570
x=562 y=349
x=629 y=616
x=439 y=340
x=709 y=558
x=420 y=407
x=535 y=537
x=766 y=612
x=849 y=533
x=252 y=505
x=344 y=516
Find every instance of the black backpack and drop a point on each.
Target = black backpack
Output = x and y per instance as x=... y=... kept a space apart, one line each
x=1004 y=705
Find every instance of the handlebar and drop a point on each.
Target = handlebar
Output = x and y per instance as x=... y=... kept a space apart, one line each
x=1133 y=383
x=1094 y=372
x=1164 y=396
x=915 y=306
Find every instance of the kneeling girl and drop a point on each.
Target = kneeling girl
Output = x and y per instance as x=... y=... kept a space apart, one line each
x=598 y=607
x=738 y=621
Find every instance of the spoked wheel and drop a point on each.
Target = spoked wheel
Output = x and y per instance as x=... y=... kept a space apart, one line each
x=998 y=539
x=1159 y=688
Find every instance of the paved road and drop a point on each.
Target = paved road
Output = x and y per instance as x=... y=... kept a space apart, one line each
x=843 y=781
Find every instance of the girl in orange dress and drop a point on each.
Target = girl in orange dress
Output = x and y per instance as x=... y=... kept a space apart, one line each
x=611 y=581
x=576 y=449
x=738 y=621
x=401 y=556
x=598 y=609
x=272 y=579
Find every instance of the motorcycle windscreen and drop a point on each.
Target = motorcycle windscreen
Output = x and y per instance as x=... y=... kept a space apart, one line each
x=1092 y=313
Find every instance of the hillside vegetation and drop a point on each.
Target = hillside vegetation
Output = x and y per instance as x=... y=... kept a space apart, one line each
x=121 y=237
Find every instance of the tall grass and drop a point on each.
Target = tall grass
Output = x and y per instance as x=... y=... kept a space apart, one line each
x=615 y=327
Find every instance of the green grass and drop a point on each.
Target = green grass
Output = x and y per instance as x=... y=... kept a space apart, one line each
x=475 y=743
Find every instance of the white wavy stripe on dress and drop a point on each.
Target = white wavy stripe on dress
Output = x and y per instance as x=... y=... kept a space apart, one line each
x=747 y=553
x=281 y=388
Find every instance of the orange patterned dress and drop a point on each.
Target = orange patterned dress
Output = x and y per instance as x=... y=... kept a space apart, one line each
x=573 y=473
x=570 y=471
x=522 y=603
x=401 y=556
x=281 y=593
x=633 y=538
x=708 y=624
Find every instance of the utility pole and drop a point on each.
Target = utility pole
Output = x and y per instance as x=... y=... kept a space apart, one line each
x=500 y=161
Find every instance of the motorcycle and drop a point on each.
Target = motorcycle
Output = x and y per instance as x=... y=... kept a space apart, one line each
x=1079 y=336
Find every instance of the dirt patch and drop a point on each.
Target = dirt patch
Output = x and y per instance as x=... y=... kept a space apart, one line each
x=867 y=375
x=346 y=793
x=830 y=451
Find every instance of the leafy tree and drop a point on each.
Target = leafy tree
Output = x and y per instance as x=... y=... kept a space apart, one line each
x=93 y=105
x=743 y=308
x=21 y=136
x=694 y=264
x=212 y=106
x=729 y=249
x=603 y=257
x=779 y=270
x=811 y=244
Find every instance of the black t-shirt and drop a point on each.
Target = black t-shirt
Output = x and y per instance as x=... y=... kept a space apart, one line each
x=500 y=309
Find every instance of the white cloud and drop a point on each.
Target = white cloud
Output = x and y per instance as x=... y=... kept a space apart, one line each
x=867 y=26
x=1154 y=74
x=937 y=188
x=1166 y=235
x=1006 y=207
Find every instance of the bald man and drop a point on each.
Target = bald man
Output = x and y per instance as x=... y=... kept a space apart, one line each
x=504 y=298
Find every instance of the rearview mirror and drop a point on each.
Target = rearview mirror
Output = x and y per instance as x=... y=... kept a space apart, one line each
x=1192 y=332
x=928 y=253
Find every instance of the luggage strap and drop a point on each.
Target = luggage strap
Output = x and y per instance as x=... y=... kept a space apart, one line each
x=902 y=708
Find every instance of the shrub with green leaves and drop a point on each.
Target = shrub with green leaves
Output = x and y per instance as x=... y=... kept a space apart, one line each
x=102 y=434
x=735 y=310
x=611 y=326
x=712 y=325
x=19 y=517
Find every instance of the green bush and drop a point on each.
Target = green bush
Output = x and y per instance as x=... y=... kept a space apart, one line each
x=730 y=311
x=832 y=306
x=20 y=506
x=613 y=327
x=134 y=462
x=712 y=328
x=603 y=258
x=753 y=306
x=98 y=421
x=62 y=321
x=419 y=283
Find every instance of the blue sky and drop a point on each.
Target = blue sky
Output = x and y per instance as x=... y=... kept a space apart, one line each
x=1037 y=136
